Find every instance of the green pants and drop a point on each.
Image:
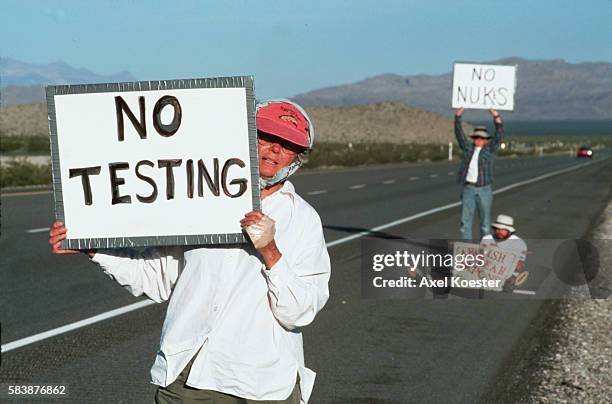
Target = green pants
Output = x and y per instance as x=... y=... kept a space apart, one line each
x=179 y=393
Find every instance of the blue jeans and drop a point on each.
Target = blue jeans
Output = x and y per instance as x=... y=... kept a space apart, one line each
x=473 y=198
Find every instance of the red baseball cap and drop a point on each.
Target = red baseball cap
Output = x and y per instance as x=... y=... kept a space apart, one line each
x=285 y=121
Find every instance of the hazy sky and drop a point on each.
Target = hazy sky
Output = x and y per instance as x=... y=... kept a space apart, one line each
x=292 y=47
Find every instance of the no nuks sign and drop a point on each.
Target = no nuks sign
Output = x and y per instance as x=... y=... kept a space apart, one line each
x=480 y=86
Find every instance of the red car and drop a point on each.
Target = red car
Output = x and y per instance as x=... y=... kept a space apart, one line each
x=585 y=152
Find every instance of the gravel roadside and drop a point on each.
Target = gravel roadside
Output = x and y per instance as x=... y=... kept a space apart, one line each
x=577 y=367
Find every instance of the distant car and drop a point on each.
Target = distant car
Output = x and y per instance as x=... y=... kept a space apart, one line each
x=585 y=152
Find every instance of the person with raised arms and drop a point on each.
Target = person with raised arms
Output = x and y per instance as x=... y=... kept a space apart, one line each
x=476 y=173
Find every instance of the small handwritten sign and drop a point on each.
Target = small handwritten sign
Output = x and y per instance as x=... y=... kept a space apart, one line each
x=499 y=264
x=481 y=86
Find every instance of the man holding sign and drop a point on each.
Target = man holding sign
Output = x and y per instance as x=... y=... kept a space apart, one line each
x=232 y=329
x=480 y=86
x=505 y=238
x=476 y=173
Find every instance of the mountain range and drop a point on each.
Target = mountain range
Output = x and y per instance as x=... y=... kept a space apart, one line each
x=546 y=90
x=23 y=83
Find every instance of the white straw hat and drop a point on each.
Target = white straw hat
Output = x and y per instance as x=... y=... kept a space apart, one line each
x=504 y=222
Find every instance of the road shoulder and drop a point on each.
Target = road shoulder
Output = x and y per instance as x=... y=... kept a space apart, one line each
x=572 y=361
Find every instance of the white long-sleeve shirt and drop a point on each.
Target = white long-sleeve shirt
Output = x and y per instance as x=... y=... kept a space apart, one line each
x=246 y=319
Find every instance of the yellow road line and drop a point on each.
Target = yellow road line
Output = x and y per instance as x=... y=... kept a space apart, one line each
x=25 y=193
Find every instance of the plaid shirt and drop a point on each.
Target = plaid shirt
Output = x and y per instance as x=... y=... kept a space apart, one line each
x=485 y=158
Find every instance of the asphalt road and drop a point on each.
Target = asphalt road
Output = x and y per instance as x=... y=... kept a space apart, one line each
x=364 y=351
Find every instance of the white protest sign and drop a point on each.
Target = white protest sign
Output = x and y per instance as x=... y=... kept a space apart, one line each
x=499 y=264
x=481 y=86
x=154 y=163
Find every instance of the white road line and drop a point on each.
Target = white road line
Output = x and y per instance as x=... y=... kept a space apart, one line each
x=449 y=206
x=524 y=292
x=73 y=326
x=358 y=186
x=391 y=224
x=387 y=182
x=414 y=178
x=122 y=310
x=322 y=191
x=541 y=177
x=451 y=172
x=39 y=230
x=433 y=176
